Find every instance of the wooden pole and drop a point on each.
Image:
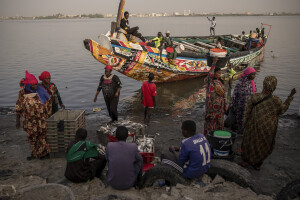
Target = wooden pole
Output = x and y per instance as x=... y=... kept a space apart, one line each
x=120 y=12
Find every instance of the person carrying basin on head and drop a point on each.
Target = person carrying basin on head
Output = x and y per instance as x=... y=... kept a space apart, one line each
x=46 y=83
x=85 y=160
x=110 y=85
x=215 y=103
x=133 y=31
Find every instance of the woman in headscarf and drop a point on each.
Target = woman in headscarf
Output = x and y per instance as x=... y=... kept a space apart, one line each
x=215 y=103
x=34 y=109
x=45 y=77
x=243 y=89
x=110 y=85
x=261 y=120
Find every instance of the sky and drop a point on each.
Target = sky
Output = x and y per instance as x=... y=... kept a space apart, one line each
x=26 y=8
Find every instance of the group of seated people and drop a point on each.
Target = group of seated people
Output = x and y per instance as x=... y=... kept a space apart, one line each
x=159 y=42
x=256 y=36
x=86 y=160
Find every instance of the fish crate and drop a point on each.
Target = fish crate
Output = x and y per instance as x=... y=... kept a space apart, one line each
x=61 y=129
x=107 y=133
x=147 y=156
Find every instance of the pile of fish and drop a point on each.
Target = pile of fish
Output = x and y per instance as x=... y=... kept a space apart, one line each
x=137 y=128
x=145 y=144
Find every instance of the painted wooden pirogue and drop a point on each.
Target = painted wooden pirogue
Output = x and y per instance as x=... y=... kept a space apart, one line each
x=136 y=61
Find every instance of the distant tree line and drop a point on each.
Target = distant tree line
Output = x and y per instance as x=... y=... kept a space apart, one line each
x=61 y=16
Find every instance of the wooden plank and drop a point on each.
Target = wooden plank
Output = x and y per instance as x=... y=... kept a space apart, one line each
x=205 y=45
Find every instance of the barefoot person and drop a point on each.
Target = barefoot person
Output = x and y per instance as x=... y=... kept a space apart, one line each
x=213 y=24
x=46 y=83
x=148 y=97
x=261 y=121
x=110 y=85
x=34 y=105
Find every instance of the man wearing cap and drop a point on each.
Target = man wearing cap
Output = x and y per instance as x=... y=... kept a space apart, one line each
x=110 y=85
x=168 y=40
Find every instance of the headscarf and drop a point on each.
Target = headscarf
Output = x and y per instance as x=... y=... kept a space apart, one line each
x=108 y=67
x=44 y=75
x=30 y=80
x=270 y=84
x=250 y=70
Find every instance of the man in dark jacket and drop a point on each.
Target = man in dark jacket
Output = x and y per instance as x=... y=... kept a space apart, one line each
x=133 y=31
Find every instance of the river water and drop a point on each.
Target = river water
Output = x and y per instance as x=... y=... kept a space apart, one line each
x=56 y=46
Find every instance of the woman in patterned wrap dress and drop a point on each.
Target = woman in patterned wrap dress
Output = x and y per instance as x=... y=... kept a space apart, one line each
x=34 y=112
x=215 y=103
x=261 y=120
x=243 y=89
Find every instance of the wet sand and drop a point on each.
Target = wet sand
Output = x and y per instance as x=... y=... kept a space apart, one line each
x=280 y=168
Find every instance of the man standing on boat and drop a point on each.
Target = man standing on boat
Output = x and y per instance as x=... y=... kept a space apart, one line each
x=110 y=85
x=213 y=24
x=133 y=31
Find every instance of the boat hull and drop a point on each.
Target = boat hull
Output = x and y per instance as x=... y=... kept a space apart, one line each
x=138 y=61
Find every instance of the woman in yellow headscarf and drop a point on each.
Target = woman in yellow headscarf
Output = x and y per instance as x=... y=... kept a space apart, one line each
x=260 y=123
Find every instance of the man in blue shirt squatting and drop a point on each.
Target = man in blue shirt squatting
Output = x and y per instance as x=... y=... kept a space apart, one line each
x=193 y=157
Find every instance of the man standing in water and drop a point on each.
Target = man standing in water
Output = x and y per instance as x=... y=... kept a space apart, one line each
x=213 y=24
x=111 y=86
x=148 y=97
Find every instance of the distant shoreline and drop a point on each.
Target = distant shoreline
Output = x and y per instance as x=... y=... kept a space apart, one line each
x=97 y=16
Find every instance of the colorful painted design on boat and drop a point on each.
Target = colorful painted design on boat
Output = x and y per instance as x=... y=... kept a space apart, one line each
x=137 y=61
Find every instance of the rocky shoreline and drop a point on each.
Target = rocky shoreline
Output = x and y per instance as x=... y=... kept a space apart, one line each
x=17 y=173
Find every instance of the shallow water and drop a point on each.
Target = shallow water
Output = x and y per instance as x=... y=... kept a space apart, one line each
x=56 y=46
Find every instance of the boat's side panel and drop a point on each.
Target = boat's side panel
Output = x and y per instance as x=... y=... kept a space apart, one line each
x=246 y=58
x=138 y=63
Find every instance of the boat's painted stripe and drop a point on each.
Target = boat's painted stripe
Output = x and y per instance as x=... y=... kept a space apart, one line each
x=131 y=65
x=149 y=49
x=155 y=50
x=91 y=46
x=122 y=44
x=129 y=46
x=200 y=59
x=113 y=45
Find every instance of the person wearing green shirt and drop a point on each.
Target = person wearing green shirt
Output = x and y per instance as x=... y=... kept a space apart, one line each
x=85 y=160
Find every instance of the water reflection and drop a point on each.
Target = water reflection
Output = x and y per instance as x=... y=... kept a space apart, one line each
x=182 y=97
